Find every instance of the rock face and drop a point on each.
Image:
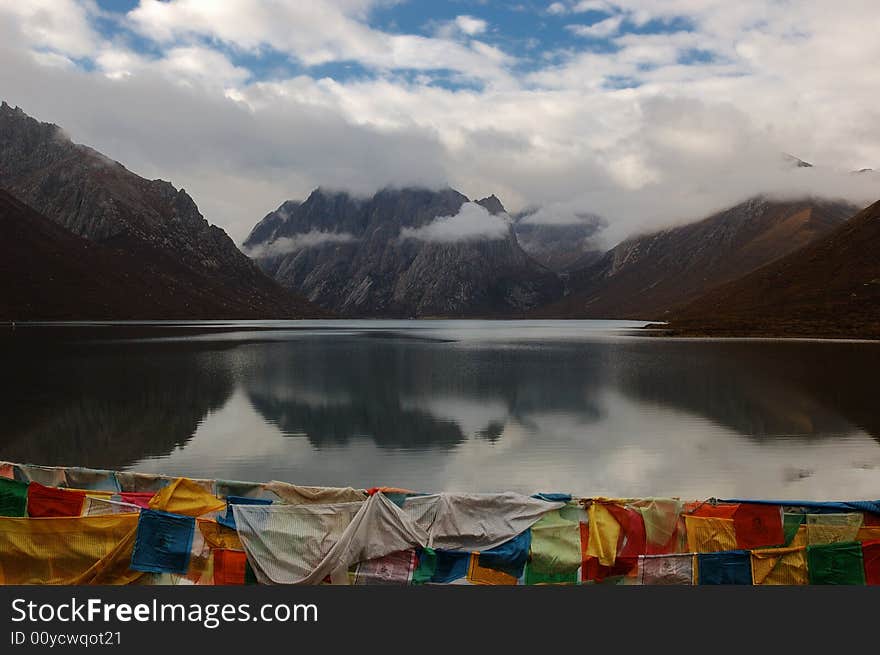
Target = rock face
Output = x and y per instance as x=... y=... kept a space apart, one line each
x=562 y=248
x=197 y=265
x=54 y=274
x=353 y=256
x=831 y=287
x=647 y=277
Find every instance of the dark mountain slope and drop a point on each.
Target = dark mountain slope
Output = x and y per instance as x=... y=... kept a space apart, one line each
x=829 y=288
x=646 y=277
x=51 y=274
x=195 y=265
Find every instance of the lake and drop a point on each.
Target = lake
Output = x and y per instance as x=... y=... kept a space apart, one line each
x=590 y=407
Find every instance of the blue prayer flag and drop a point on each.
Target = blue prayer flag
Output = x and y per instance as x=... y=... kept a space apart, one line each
x=163 y=542
x=726 y=567
x=451 y=565
x=510 y=557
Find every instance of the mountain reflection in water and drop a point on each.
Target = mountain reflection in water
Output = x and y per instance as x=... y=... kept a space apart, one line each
x=468 y=405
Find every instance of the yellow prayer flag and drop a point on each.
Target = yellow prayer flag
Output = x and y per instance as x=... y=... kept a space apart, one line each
x=184 y=496
x=604 y=534
x=60 y=550
x=780 y=566
x=710 y=535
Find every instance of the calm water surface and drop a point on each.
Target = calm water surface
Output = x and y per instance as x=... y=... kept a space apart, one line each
x=581 y=406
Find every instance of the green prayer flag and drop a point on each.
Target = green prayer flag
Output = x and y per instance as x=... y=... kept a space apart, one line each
x=13 y=497
x=556 y=546
x=426 y=568
x=791 y=523
x=839 y=563
x=538 y=576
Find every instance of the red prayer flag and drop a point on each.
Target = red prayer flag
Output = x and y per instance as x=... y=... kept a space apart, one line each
x=758 y=525
x=871 y=558
x=139 y=498
x=44 y=502
x=871 y=520
x=633 y=541
x=591 y=570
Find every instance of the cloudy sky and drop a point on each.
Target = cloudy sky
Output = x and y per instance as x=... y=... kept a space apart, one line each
x=646 y=112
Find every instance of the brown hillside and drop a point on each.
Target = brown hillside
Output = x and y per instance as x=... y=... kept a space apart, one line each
x=52 y=274
x=647 y=277
x=829 y=288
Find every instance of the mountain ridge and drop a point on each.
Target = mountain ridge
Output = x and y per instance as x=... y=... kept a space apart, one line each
x=96 y=198
x=374 y=257
x=831 y=287
x=647 y=276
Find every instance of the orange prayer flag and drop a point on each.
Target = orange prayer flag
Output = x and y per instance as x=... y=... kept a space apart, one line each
x=229 y=566
x=711 y=511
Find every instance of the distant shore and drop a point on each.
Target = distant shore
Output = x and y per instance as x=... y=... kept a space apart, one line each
x=96 y=330
x=722 y=331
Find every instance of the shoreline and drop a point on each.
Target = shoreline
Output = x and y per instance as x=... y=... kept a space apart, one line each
x=769 y=334
x=20 y=331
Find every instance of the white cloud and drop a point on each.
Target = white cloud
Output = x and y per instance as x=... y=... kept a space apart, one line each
x=557 y=214
x=472 y=223
x=602 y=29
x=312 y=32
x=300 y=241
x=470 y=25
x=59 y=25
x=584 y=6
x=666 y=128
x=581 y=7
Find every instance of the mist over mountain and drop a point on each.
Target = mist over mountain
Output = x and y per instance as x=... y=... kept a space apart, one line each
x=401 y=252
x=647 y=276
x=562 y=247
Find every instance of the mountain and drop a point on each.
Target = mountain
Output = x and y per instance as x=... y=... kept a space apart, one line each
x=560 y=247
x=492 y=205
x=645 y=277
x=195 y=269
x=829 y=288
x=58 y=275
x=395 y=254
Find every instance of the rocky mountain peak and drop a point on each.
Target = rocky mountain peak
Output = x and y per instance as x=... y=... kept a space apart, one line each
x=492 y=204
x=347 y=254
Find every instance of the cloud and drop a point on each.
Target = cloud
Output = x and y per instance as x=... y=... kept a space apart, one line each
x=560 y=215
x=599 y=30
x=584 y=6
x=313 y=33
x=472 y=223
x=470 y=25
x=581 y=7
x=62 y=26
x=300 y=241
x=660 y=129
